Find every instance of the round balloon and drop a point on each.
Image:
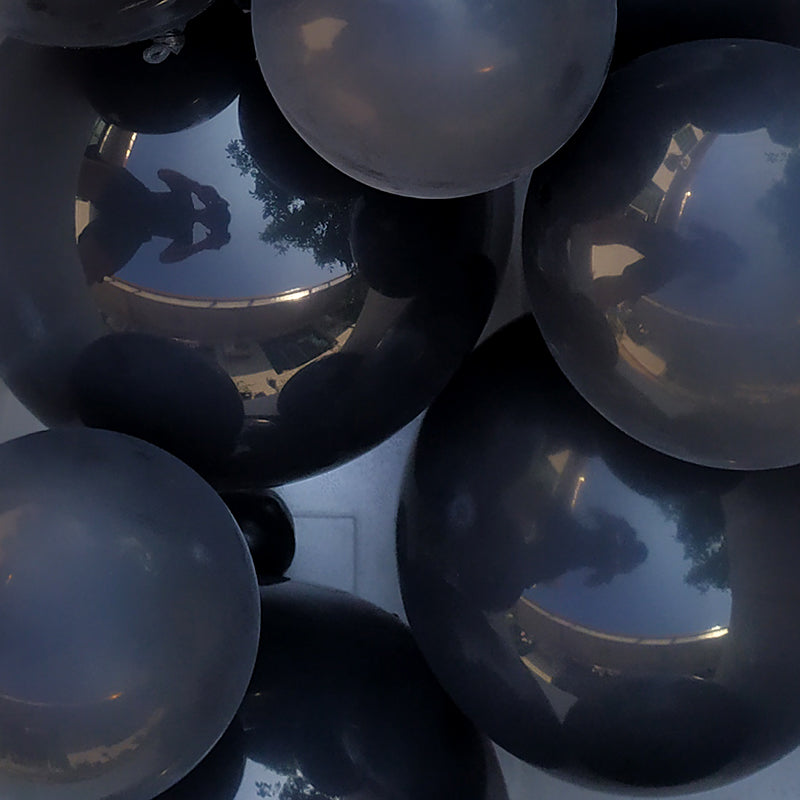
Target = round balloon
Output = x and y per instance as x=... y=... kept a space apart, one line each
x=185 y=90
x=367 y=720
x=606 y=612
x=660 y=252
x=268 y=528
x=433 y=99
x=94 y=23
x=285 y=160
x=129 y=608
x=213 y=292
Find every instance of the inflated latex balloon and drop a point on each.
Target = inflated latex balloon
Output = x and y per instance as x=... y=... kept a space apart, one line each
x=268 y=528
x=130 y=382
x=281 y=156
x=130 y=615
x=433 y=99
x=185 y=89
x=368 y=720
x=93 y=23
x=646 y=25
x=613 y=615
x=661 y=253
x=213 y=292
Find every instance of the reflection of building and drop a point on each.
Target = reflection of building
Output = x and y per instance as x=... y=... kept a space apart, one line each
x=664 y=198
x=259 y=341
x=560 y=651
x=50 y=742
x=636 y=325
x=114 y=145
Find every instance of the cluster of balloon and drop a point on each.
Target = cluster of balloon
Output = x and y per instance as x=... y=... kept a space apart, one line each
x=660 y=251
x=342 y=704
x=311 y=319
x=433 y=99
x=94 y=23
x=601 y=610
x=130 y=611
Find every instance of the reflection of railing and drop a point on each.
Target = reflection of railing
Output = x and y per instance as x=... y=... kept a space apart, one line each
x=187 y=301
x=217 y=321
x=555 y=641
x=712 y=633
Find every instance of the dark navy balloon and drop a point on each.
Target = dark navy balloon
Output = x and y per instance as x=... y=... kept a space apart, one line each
x=183 y=90
x=94 y=23
x=342 y=704
x=601 y=610
x=130 y=615
x=661 y=253
x=195 y=275
x=268 y=528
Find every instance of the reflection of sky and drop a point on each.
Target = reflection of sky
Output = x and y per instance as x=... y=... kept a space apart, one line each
x=727 y=185
x=244 y=267
x=651 y=600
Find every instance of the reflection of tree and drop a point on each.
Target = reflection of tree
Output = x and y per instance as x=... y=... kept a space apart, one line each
x=294 y=222
x=700 y=524
x=297 y=787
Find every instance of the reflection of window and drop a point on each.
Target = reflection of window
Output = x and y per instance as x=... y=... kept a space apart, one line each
x=290 y=352
x=686 y=138
x=238 y=350
x=648 y=201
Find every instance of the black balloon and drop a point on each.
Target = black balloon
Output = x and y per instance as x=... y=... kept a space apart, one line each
x=281 y=155
x=403 y=253
x=601 y=610
x=341 y=701
x=135 y=383
x=94 y=23
x=660 y=251
x=200 y=288
x=267 y=526
x=184 y=90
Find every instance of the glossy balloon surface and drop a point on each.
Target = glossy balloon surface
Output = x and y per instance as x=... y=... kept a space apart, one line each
x=661 y=248
x=93 y=23
x=433 y=99
x=342 y=704
x=129 y=614
x=268 y=528
x=183 y=90
x=215 y=290
x=601 y=610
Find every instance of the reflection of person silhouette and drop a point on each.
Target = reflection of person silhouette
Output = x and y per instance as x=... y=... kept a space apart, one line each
x=665 y=255
x=604 y=543
x=536 y=538
x=128 y=214
x=608 y=546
